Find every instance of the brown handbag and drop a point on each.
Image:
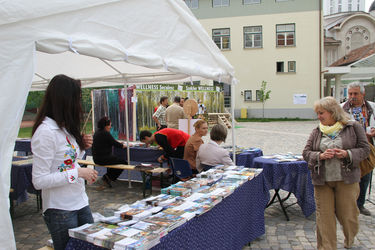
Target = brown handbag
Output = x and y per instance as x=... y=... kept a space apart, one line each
x=367 y=165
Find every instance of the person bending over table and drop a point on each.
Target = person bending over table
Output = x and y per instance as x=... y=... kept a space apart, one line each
x=194 y=142
x=333 y=153
x=171 y=140
x=56 y=144
x=211 y=154
x=102 y=150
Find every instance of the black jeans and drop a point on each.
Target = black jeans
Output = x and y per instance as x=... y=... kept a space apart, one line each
x=60 y=221
x=112 y=173
x=363 y=185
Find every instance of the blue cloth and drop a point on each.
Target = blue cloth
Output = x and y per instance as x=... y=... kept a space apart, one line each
x=23 y=145
x=246 y=158
x=60 y=221
x=21 y=181
x=234 y=222
x=292 y=177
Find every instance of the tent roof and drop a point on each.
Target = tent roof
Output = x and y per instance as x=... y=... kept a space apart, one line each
x=95 y=72
x=156 y=34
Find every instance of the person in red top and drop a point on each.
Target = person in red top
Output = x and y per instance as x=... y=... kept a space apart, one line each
x=171 y=140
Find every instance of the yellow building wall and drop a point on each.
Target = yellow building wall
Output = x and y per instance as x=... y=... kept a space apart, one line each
x=252 y=66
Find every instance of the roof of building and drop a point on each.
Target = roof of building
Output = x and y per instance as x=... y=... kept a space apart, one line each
x=355 y=55
x=331 y=41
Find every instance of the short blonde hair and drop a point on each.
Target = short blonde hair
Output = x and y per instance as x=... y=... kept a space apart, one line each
x=199 y=123
x=332 y=106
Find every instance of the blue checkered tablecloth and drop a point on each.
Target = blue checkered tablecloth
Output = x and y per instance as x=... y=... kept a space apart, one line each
x=231 y=224
x=293 y=177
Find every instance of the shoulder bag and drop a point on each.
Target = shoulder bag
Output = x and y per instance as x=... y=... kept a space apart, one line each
x=367 y=165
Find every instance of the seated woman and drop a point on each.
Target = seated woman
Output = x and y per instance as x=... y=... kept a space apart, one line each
x=211 y=154
x=194 y=142
x=102 y=150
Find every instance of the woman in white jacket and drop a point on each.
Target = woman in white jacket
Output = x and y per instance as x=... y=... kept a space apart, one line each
x=56 y=144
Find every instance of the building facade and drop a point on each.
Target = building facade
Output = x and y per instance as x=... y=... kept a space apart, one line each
x=337 y=6
x=349 y=38
x=277 y=41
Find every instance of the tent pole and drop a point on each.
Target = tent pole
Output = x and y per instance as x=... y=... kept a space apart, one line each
x=126 y=116
x=232 y=111
x=127 y=129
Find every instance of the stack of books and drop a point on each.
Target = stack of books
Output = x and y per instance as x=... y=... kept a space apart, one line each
x=284 y=157
x=141 y=225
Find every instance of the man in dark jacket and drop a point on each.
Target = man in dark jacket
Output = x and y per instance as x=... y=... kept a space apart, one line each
x=363 y=112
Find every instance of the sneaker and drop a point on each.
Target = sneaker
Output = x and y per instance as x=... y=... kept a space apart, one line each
x=364 y=211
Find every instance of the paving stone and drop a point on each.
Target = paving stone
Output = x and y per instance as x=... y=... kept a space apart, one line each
x=271 y=137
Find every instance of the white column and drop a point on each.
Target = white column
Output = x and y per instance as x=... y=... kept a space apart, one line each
x=337 y=87
x=327 y=91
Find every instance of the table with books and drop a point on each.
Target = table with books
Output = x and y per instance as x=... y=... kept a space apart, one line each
x=245 y=156
x=23 y=145
x=21 y=179
x=289 y=173
x=222 y=208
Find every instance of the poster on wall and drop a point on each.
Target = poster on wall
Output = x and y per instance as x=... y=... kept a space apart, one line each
x=299 y=98
x=148 y=96
x=142 y=100
x=111 y=103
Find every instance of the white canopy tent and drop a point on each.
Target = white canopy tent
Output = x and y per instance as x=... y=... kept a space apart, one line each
x=157 y=34
x=96 y=72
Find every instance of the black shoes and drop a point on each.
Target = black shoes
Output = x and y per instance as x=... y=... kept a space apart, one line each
x=107 y=181
x=364 y=211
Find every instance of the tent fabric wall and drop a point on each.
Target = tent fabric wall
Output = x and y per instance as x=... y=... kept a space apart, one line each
x=158 y=34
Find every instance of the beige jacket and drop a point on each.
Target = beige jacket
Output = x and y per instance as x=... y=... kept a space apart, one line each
x=172 y=114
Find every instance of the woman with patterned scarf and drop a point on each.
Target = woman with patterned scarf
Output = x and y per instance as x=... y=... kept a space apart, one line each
x=333 y=153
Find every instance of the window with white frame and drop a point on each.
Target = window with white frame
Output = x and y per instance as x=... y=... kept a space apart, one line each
x=358 y=5
x=222 y=38
x=252 y=36
x=250 y=1
x=292 y=66
x=279 y=67
x=192 y=4
x=220 y=3
x=339 y=6
x=331 y=4
x=257 y=95
x=248 y=96
x=285 y=35
x=349 y=5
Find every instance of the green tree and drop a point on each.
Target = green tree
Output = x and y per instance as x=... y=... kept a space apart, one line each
x=264 y=94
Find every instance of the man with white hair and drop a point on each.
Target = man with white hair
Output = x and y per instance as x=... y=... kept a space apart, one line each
x=363 y=112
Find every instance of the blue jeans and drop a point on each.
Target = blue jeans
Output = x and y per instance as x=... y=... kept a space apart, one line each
x=363 y=185
x=60 y=221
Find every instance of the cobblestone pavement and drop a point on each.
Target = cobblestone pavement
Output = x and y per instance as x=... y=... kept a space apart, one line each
x=273 y=137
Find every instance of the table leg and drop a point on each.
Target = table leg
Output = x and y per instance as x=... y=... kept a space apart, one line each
x=281 y=201
x=144 y=183
x=161 y=180
x=150 y=184
x=39 y=199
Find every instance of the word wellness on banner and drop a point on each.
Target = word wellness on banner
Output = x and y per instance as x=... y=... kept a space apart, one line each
x=175 y=87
